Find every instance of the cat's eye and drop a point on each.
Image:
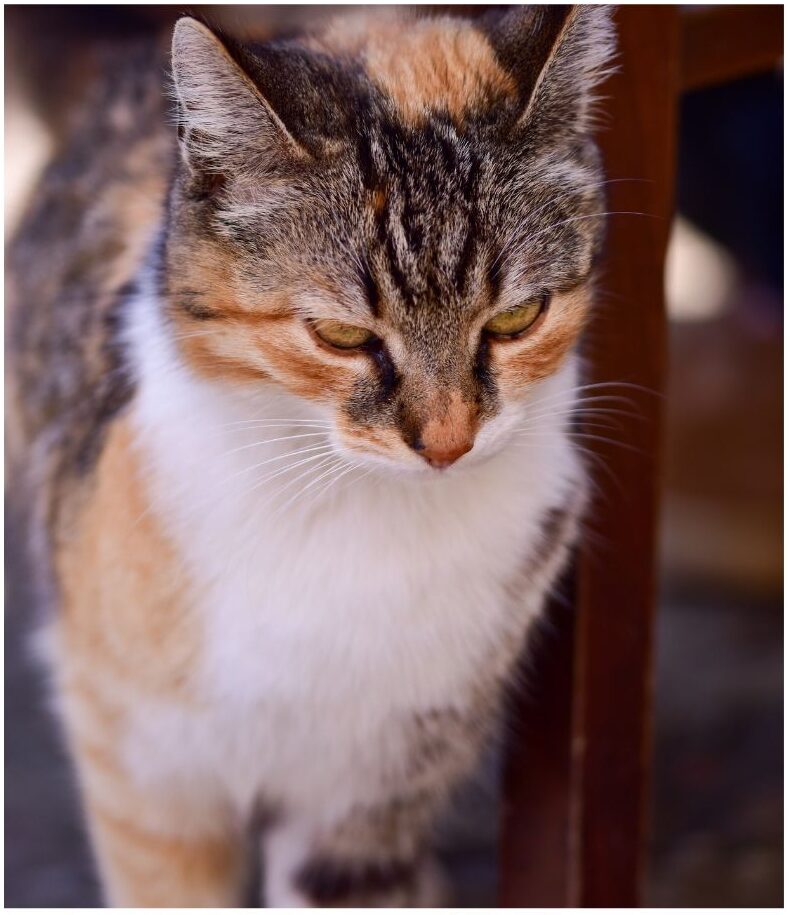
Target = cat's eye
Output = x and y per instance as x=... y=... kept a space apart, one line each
x=515 y=321
x=342 y=336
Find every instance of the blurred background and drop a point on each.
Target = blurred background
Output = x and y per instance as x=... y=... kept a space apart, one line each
x=716 y=837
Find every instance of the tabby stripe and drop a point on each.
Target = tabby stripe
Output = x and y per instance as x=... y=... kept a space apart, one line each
x=327 y=881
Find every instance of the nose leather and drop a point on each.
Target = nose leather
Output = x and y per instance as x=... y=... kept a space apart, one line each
x=446 y=431
x=443 y=457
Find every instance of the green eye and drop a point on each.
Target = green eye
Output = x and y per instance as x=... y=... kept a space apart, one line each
x=516 y=320
x=342 y=336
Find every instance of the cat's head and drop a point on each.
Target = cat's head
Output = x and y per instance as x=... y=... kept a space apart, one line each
x=396 y=221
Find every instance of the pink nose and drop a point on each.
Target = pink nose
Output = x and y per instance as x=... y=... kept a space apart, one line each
x=443 y=457
x=446 y=429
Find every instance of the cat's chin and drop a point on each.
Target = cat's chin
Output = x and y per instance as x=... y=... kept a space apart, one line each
x=494 y=439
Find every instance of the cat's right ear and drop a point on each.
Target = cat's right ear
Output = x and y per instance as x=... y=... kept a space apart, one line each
x=225 y=123
x=558 y=56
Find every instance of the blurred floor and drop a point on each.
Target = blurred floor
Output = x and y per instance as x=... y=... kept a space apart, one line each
x=718 y=792
x=46 y=859
x=718 y=780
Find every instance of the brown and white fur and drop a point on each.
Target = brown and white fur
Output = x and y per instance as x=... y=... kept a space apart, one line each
x=275 y=603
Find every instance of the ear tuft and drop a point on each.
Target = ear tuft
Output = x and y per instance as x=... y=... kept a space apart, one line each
x=225 y=122
x=559 y=56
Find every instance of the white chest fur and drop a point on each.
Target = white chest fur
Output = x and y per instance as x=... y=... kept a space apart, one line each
x=325 y=616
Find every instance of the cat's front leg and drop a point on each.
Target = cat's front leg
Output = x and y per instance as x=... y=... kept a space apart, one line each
x=156 y=846
x=376 y=856
x=152 y=867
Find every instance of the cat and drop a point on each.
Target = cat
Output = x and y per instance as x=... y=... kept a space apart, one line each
x=292 y=384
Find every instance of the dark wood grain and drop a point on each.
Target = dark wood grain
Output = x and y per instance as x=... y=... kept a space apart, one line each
x=617 y=569
x=576 y=778
x=535 y=856
x=722 y=43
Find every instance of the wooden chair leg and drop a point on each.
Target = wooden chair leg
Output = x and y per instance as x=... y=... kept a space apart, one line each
x=535 y=861
x=577 y=774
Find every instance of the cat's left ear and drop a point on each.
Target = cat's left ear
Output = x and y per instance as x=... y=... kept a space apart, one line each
x=224 y=120
x=558 y=56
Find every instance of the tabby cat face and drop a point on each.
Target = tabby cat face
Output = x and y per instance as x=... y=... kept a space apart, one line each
x=396 y=221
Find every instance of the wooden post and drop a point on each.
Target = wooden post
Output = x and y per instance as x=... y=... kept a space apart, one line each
x=576 y=779
x=617 y=569
x=535 y=861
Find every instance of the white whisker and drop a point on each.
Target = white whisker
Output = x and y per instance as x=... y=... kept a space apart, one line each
x=272 y=441
x=277 y=457
x=277 y=422
x=332 y=467
x=322 y=494
x=267 y=478
x=527 y=433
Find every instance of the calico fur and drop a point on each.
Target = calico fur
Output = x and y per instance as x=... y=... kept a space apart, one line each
x=265 y=599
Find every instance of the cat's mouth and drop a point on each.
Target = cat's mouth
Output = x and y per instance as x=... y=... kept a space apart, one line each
x=402 y=460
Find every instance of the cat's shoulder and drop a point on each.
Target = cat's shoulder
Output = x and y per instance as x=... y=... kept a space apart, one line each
x=71 y=263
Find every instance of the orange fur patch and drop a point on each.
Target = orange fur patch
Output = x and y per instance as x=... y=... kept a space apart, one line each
x=539 y=355
x=144 y=868
x=224 y=353
x=440 y=64
x=124 y=591
x=378 y=201
x=450 y=422
x=252 y=338
x=126 y=634
x=371 y=439
x=305 y=369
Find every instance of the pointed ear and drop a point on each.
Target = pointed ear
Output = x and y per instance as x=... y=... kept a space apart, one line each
x=558 y=55
x=224 y=120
